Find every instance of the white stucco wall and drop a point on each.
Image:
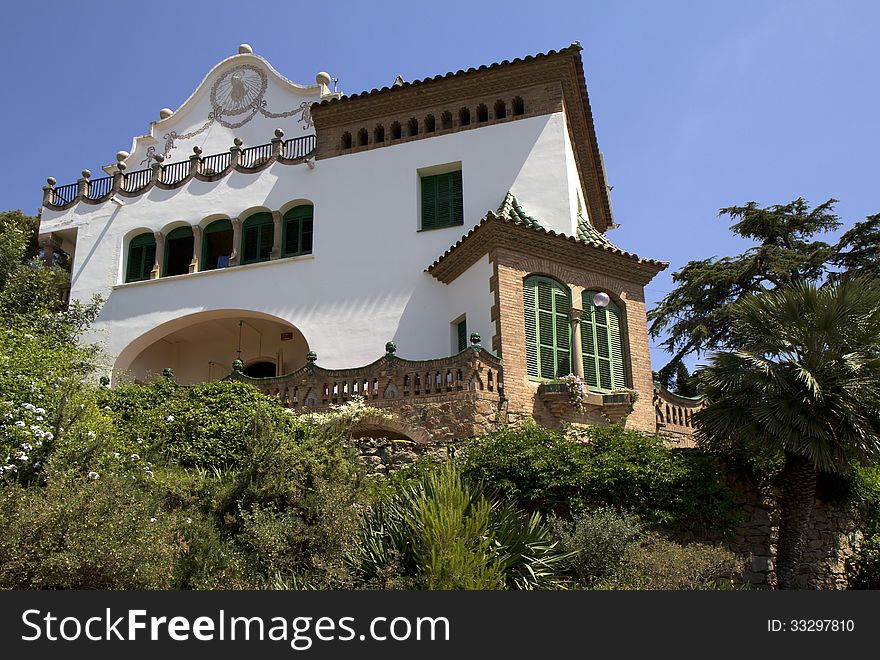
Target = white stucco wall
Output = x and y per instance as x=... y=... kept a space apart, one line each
x=365 y=282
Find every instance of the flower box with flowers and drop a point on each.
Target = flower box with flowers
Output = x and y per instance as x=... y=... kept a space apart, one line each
x=570 y=397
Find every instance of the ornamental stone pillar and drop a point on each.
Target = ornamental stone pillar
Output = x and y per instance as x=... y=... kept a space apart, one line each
x=577 y=357
x=236 y=241
x=276 y=235
x=194 y=265
x=156 y=273
x=48 y=244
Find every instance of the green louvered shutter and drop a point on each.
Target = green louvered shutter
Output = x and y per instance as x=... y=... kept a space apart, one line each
x=298 y=231
x=461 y=330
x=602 y=345
x=141 y=258
x=442 y=200
x=531 y=320
x=429 y=202
x=548 y=336
x=251 y=244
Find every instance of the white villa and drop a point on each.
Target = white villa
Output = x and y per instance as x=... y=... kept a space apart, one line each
x=437 y=246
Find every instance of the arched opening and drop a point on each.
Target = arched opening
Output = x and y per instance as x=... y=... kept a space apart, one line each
x=201 y=347
x=257 y=237
x=346 y=140
x=363 y=137
x=379 y=134
x=412 y=127
x=216 y=245
x=500 y=109
x=141 y=257
x=446 y=120
x=519 y=107
x=260 y=369
x=430 y=124
x=395 y=130
x=548 y=327
x=464 y=117
x=178 y=251
x=482 y=113
x=297 y=230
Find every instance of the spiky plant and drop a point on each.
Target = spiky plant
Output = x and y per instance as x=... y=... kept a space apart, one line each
x=804 y=379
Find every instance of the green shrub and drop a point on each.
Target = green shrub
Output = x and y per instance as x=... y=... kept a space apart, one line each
x=598 y=544
x=863 y=568
x=103 y=533
x=595 y=467
x=658 y=563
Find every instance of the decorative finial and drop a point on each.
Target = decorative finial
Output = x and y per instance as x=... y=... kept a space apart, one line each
x=245 y=49
x=165 y=113
x=237 y=142
x=121 y=166
x=475 y=339
x=311 y=357
x=51 y=180
x=167 y=373
x=197 y=150
x=122 y=155
x=159 y=158
x=237 y=366
x=322 y=78
x=390 y=347
x=86 y=174
x=105 y=381
x=279 y=133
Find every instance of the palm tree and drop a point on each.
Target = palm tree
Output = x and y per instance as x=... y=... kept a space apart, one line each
x=803 y=379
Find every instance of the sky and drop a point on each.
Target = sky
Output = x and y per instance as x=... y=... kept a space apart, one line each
x=697 y=105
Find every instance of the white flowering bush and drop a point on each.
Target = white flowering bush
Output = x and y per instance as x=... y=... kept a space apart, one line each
x=578 y=391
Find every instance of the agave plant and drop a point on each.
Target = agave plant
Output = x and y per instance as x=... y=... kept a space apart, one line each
x=441 y=532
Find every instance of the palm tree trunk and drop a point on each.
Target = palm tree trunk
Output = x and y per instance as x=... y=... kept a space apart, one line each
x=798 y=484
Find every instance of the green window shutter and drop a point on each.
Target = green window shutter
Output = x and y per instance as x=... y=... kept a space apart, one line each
x=461 y=330
x=548 y=336
x=207 y=242
x=257 y=238
x=251 y=241
x=267 y=238
x=442 y=200
x=141 y=257
x=602 y=345
x=297 y=237
x=531 y=320
x=429 y=202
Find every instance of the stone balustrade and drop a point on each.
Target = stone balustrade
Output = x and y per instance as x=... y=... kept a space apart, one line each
x=174 y=175
x=674 y=413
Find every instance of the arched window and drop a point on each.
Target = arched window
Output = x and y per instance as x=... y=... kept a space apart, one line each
x=482 y=113
x=446 y=120
x=141 y=257
x=395 y=130
x=363 y=137
x=412 y=127
x=379 y=134
x=258 y=233
x=178 y=251
x=500 y=109
x=216 y=245
x=430 y=124
x=346 y=140
x=464 y=117
x=548 y=328
x=519 y=107
x=261 y=369
x=602 y=345
x=297 y=233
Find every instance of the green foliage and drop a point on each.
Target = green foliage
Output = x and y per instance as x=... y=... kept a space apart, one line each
x=444 y=533
x=681 y=490
x=863 y=568
x=805 y=377
x=204 y=425
x=598 y=544
x=104 y=533
x=697 y=316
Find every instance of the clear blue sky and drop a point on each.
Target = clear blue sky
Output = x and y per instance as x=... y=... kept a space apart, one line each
x=697 y=105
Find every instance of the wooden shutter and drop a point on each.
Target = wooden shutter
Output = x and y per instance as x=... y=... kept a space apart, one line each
x=298 y=231
x=548 y=336
x=141 y=258
x=429 y=202
x=457 y=217
x=267 y=238
x=149 y=260
x=461 y=329
x=602 y=345
x=135 y=263
x=251 y=244
x=531 y=322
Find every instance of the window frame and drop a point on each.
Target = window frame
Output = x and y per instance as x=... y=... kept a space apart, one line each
x=532 y=312
x=263 y=222
x=298 y=214
x=215 y=227
x=178 y=233
x=141 y=241
x=592 y=331
x=451 y=177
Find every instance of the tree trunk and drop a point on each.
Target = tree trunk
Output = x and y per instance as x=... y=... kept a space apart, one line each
x=798 y=484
